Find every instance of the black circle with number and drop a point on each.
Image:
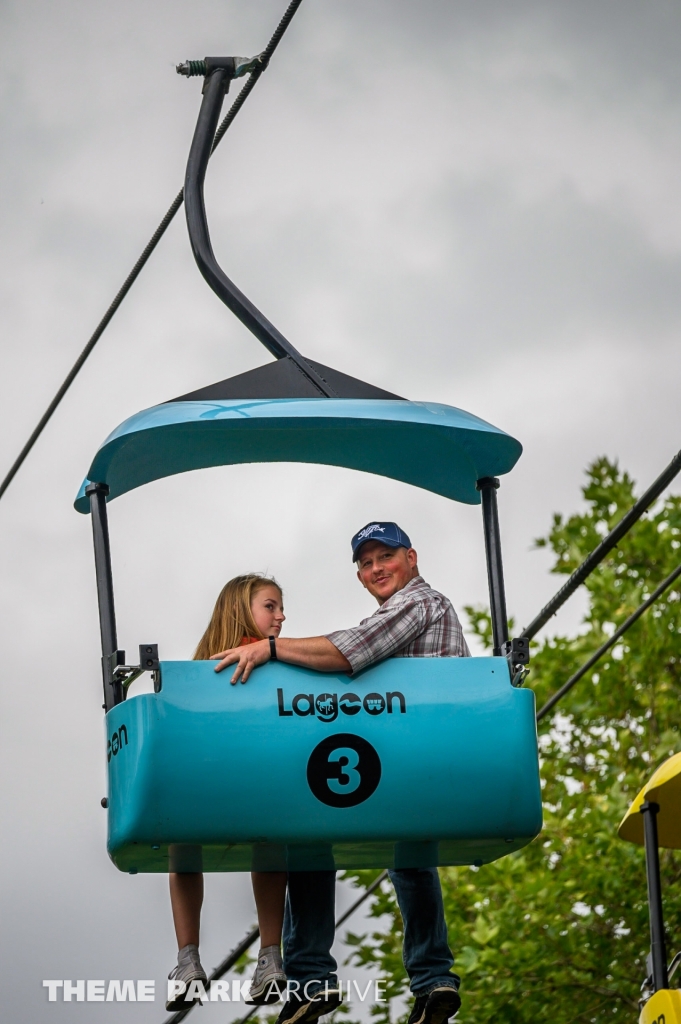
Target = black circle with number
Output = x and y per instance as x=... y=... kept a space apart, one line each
x=343 y=770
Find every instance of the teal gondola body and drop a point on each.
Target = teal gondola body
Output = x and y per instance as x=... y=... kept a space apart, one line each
x=413 y=762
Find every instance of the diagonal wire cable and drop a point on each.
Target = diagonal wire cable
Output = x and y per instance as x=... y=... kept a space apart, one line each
x=552 y=701
x=252 y=937
x=158 y=234
x=607 y=544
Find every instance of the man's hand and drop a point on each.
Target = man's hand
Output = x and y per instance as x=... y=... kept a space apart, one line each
x=246 y=659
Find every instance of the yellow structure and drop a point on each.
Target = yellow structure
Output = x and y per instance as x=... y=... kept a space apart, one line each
x=662 y=1008
x=664 y=789
x=654 y=820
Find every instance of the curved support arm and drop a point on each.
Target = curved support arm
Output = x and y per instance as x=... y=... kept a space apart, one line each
x=215 y=86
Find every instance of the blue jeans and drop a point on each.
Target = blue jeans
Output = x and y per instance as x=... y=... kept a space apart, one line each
x=309 y=929
x=426 y=954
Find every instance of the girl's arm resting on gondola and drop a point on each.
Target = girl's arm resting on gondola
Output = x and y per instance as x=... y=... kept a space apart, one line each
x=314 y=652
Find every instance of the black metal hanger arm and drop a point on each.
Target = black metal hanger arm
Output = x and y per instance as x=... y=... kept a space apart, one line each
x=220 y=71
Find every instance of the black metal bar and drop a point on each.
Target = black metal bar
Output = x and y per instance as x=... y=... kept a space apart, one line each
x=666 y=583
x=199 y=154
x=252 y=937
x=606 y=545
x=658 y=952
x=495 y=570
x=113 y=691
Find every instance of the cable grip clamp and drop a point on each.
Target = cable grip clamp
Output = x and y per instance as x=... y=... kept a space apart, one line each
x=236 y=67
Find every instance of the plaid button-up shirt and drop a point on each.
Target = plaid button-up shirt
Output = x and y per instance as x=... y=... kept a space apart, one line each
x=416 y=622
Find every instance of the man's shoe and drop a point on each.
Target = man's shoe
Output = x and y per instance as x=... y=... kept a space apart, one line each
x=188 y=969
x=269 y=981
x=436 y=1006
x=305 y=1011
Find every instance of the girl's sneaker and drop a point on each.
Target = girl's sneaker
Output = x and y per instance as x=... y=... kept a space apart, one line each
x=269 y=981
x=188 y=969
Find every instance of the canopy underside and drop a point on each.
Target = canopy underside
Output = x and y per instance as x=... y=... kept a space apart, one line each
x=247 y=419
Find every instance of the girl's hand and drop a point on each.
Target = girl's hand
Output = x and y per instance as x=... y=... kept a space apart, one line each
x=245 y=658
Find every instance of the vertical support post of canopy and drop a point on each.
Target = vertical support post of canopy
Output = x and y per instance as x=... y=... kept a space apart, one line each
x=113 y=691
x=487 y=486
x=658 y=952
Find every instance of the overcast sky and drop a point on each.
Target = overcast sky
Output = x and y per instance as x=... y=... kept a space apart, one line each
x=475 y=203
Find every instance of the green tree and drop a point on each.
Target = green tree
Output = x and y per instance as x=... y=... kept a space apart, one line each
x=558 y=932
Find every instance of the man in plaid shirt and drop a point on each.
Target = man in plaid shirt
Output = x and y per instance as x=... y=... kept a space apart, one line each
x=412 y=621
x=415 y=621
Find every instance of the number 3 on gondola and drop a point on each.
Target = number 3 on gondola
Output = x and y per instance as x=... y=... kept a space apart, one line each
x=343 y=770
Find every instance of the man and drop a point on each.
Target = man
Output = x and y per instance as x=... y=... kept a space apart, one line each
x=412 y=621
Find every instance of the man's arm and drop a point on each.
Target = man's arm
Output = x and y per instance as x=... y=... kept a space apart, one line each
x=310 y=652
x=391 y=628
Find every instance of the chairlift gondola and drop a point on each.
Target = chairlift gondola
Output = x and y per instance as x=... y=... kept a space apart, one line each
x=414 y=762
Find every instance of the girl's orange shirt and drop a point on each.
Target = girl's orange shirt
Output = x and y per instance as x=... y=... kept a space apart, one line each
x=248 y=640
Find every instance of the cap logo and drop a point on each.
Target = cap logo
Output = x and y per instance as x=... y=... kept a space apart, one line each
x=368 y=530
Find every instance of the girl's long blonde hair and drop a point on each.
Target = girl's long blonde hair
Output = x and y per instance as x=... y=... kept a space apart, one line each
x=232 y=618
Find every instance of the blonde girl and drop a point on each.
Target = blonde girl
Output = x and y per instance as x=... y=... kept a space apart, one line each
x=248 y=609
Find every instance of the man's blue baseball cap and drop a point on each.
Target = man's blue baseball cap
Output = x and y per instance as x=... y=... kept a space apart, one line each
x=386 y=533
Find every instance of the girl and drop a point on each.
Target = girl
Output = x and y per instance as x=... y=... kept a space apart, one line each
x=248 y=609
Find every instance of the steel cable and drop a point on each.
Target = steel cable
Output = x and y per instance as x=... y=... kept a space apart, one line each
x=666 y=583
x=236 y=106
x=607 y=544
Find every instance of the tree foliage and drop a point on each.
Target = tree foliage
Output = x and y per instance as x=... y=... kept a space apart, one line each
x=559 y=931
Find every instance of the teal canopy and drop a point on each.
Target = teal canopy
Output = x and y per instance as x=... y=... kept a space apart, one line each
x=437 y=447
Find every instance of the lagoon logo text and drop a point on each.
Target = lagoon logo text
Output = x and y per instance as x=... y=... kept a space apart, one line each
x=116 y=742
x=327 y=706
